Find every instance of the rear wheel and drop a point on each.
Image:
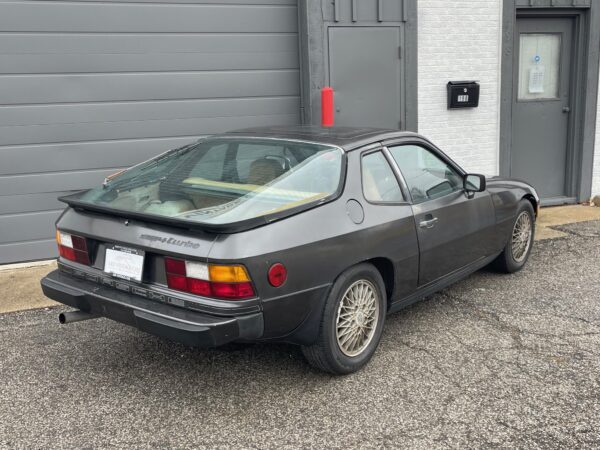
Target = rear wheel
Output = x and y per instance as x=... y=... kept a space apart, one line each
x=352 y=322
x=517 y=250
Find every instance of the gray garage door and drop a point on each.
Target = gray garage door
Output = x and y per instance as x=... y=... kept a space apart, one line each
x=89 y=87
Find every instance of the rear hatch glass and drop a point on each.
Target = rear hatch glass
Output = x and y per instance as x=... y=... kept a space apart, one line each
x=218 y=182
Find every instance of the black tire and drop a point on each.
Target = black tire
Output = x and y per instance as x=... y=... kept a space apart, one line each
x=506 y=262
x=325 y=353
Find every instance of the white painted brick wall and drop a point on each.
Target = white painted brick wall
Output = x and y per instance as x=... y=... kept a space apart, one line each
x=460 y=40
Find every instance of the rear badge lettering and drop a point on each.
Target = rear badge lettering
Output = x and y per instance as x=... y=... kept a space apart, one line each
x=170 y=241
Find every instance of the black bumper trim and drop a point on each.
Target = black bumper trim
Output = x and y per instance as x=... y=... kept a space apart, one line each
x=171 y=322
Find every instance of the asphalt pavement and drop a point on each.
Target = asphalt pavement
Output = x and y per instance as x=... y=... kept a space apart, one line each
x=493 y=361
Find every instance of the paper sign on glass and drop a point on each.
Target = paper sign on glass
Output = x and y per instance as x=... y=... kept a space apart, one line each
x=536 y=80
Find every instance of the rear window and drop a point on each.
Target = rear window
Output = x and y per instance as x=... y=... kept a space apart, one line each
x=223 y=181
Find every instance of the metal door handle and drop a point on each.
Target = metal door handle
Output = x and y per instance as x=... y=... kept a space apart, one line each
x=566 y=109
x=428 y=223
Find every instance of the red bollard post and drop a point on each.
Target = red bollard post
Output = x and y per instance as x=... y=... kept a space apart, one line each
x=327 y=106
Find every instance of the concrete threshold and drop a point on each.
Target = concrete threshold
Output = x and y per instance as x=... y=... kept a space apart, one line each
x=555 y=216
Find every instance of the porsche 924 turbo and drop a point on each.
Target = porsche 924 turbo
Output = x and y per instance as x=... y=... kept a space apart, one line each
x=304 y=235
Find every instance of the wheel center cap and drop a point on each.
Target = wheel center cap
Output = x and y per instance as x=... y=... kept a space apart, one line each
x=360 y=318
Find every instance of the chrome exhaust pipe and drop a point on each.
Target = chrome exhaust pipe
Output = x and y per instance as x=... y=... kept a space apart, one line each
x=75 y=316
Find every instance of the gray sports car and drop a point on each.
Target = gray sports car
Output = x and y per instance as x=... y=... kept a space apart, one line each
x=304 y=235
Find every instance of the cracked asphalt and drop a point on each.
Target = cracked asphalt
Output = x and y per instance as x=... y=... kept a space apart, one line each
x=493 y=361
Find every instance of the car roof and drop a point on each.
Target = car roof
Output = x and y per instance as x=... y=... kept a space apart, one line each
x=348 y=138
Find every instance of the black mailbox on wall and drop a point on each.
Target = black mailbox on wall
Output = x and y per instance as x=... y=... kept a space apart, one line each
x=463 y=94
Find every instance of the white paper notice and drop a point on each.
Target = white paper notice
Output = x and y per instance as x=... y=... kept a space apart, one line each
x=536 y=80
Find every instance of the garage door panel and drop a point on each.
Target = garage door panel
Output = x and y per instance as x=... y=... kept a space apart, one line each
x=53 y=182
x=34 y=134
x=15 y=89
x=84 y=155
x=223 y=2
x=74 y=113
x=154 y=62
x=27 y=227
x=89 y=87
x=154 y=18
x=16 y=204
x=28 y=251
x=48 y=45
x=15 y=184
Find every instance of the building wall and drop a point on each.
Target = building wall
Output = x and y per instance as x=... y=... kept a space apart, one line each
x=596 y=173
x=461 y=42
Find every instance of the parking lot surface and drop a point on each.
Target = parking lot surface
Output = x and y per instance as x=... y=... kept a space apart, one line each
x=493 y=361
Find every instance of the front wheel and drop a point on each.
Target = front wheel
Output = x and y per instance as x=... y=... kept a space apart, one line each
x=352 y=322
x=517 y=249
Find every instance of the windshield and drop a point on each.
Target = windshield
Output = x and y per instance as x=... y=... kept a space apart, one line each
x=222 y=181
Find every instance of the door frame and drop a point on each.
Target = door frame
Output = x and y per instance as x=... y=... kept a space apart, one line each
x=403 y=82
x=584 y=88
x=315 y=17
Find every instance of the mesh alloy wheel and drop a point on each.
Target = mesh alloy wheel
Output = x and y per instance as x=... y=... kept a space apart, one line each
x=521 y=237
x=357 y=317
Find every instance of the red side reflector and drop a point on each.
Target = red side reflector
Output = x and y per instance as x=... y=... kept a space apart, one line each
x=277 y=274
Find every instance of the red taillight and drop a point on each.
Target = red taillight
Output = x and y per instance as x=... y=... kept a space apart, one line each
x=176 y=266
x=217 y=281
x=199 y=287
x=178 y=282
x=232 y=290
x=72 y=247
x=277 y=274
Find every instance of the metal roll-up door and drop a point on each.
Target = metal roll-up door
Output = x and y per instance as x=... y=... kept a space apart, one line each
x=87 y=88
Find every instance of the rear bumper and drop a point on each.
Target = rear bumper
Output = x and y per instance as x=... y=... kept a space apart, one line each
x=171 y=322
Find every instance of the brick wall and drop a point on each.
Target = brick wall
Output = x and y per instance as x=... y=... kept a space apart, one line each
x=460 y=40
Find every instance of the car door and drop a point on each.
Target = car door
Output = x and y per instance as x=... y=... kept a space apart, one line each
x=454 y=228
x=389 y=229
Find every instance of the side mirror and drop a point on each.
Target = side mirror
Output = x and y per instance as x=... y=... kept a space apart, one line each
x=473 y=182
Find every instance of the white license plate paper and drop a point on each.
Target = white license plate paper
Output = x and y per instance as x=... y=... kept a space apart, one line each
x=125 y=263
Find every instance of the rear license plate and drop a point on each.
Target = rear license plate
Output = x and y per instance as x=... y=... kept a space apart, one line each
x=125 y=263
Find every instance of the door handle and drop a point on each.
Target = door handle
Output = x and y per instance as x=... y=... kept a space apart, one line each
x=428 y=223
x=566 y=109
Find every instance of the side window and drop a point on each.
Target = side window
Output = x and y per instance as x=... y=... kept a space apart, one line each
x=378 y=179
x=426 y=175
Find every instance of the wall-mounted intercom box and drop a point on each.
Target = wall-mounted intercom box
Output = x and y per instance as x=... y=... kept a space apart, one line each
x=463 y=94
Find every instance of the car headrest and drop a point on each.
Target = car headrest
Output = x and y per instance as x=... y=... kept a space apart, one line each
x=263 y=171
